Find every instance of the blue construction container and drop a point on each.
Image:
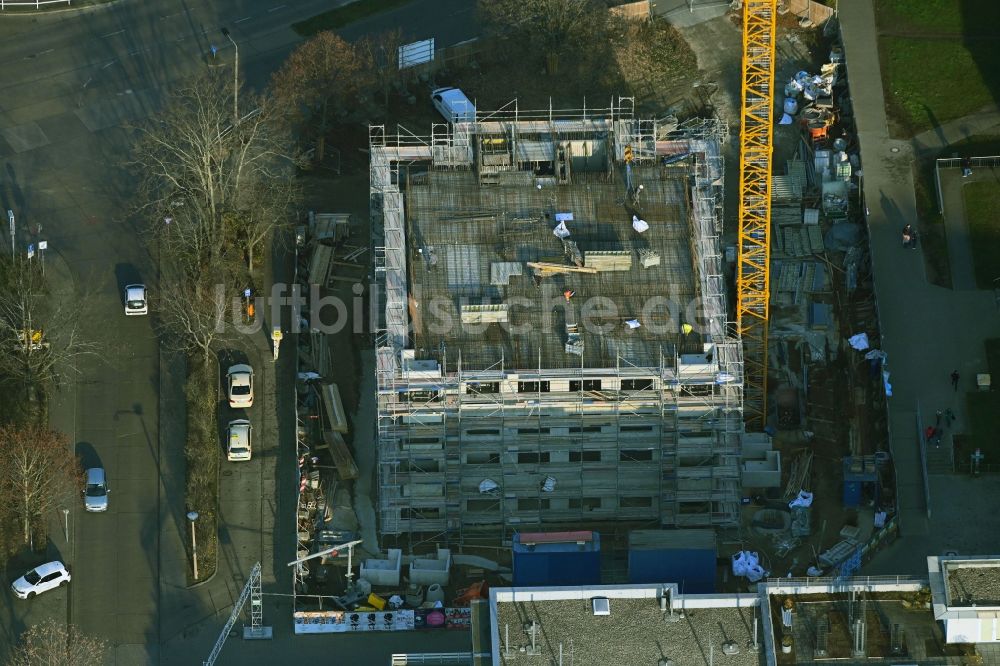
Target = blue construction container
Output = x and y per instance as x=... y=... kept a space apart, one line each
x=684 y=557
x=557 y=558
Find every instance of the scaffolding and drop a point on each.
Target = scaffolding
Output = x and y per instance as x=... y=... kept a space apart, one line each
x=483 y=434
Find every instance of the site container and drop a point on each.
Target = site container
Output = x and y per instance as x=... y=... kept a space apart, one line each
x=557 y=558
x=684 y=557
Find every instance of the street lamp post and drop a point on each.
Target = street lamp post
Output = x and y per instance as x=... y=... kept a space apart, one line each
x=65 y=513
x=193 y=516
x=236 y=77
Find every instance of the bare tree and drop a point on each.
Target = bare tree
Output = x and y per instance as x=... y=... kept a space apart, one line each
x=40 y=329
x=52 y=643
x=380 y=56
x=207 y=175
x=193 y=313
x=321 y=77
x=37 y=474
x=553 y=26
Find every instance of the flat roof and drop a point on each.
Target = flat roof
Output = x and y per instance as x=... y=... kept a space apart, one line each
x=457 y=232
x=635 y=632
x=973 y=583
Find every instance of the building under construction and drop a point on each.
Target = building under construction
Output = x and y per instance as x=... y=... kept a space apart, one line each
x=552 y=347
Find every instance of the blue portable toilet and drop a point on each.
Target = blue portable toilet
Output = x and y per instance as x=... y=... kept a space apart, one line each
x=684 y=557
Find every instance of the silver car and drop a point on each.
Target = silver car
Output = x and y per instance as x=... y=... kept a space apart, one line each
x=238 y=446
x=135 y=300
x=95 y=494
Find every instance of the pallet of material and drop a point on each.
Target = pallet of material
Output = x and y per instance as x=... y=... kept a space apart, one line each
x=333 y=408
x=342 y=458
x=604 y=260
x=319 y=264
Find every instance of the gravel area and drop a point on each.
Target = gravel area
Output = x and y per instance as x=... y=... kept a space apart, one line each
x=634 y=633
x=969 y=585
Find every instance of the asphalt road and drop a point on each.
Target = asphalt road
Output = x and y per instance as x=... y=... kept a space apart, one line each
x=72 y=81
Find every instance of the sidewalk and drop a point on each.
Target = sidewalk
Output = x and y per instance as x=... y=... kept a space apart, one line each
x=927 y=331
x=936 y=139
x=191 y=618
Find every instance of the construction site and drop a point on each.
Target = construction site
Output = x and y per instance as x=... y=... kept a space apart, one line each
x=554 y=348
x=577 y=375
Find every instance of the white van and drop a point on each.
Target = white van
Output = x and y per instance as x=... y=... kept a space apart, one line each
x=454 y=105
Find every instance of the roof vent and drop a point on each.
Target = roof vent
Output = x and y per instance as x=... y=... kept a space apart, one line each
x=601 y=606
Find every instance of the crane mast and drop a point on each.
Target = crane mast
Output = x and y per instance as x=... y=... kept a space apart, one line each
x=753 y=277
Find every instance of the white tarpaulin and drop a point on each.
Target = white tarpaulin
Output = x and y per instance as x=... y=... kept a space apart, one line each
x=859 y=341
x=561 y=230
x=804 y=499
x=488 y=486
x=747 y=563
x=639 y=225
x=633 y=323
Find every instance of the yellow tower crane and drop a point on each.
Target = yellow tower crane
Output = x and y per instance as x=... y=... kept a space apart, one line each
x=753 y=278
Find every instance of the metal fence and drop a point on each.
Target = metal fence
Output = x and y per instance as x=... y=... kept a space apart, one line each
x=432 y=658
x=37 y=4
x=925 y=477
x=988 y=162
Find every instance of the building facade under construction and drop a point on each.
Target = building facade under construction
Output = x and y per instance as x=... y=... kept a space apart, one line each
x=552 y=347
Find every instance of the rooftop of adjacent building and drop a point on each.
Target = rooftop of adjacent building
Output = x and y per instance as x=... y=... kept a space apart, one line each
x=470 y=244
x=972 y=582
x=635 y=630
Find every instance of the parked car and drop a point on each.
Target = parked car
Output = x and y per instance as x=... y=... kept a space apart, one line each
x=95 y=494
x=453 y=105
x=42 y=578
x=238 y=445
x=135 y=300
x=240 y=386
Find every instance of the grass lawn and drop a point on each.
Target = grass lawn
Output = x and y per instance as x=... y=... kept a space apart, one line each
x=932 y=81
x=202 y=453
x=939 y=16
x=982 y=210
x=341 y=16
x=984 y=417
x=984 y=409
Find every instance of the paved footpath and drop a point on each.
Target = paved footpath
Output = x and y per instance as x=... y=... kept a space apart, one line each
x=927 y=331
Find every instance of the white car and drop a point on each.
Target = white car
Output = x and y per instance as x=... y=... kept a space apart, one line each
x=238 y=445
x=240 y=383
x=42 y=578
x=95 y=495
x=135 y=300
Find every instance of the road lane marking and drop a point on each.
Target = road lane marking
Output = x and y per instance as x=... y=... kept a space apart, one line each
x=246 y=18
x=112 y=34
x=110 y=63
x=274 y=9
x=47 y=51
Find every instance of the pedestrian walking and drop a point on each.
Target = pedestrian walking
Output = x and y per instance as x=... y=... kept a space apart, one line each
x=929 y=433
x=966 y=167
x=909 y=237
x=954 y=380
x=937 y=418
